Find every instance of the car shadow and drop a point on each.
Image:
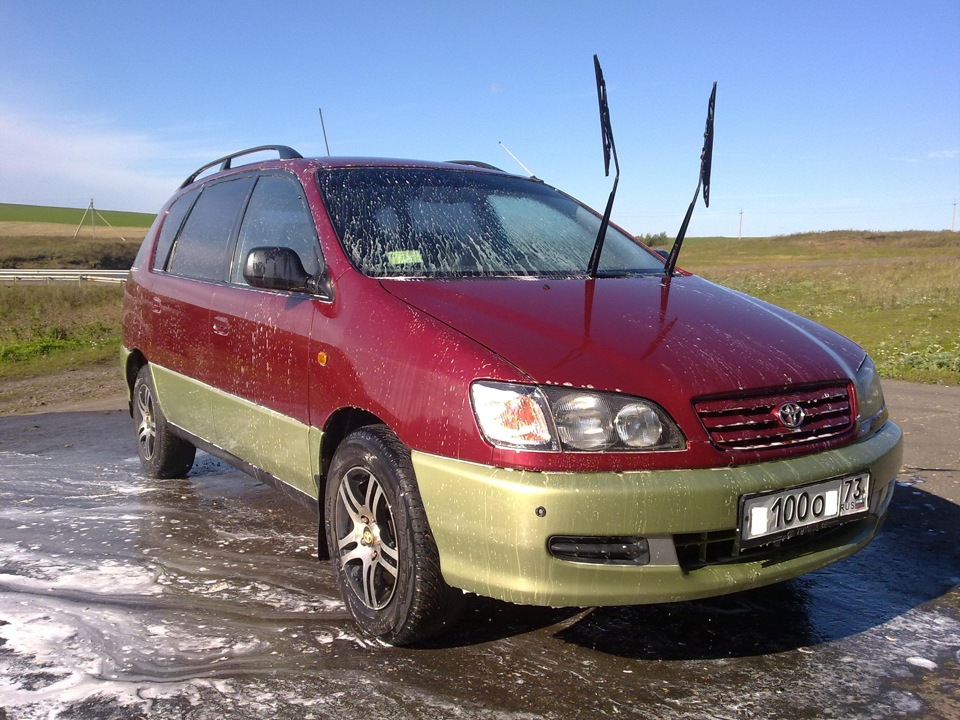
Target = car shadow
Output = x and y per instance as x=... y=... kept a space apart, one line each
x=915 y=559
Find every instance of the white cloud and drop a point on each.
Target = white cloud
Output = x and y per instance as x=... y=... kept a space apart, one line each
x=945 y=154
x=67 y=161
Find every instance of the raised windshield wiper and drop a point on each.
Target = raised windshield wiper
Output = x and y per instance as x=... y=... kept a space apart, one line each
x=608 y=147
x=706 y=160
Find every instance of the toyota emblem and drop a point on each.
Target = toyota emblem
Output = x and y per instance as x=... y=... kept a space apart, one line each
x=791 y=415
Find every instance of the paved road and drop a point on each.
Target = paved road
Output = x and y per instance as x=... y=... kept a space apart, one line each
x=930 y=418
x=122 y=597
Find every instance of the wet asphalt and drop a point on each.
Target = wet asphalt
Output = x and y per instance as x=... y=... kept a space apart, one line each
x=124 y=597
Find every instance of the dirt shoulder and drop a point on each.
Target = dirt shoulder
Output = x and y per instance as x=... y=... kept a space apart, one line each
x=928 y=414
x=97 y=387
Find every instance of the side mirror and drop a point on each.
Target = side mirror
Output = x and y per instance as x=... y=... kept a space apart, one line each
x=278 y=268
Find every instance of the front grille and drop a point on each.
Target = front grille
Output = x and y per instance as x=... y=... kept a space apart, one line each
x=697 y=550
x=752 y=423
x=700 y=549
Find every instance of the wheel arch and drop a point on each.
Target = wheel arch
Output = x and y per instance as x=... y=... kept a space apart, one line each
x=135 y=360
x=339 y=425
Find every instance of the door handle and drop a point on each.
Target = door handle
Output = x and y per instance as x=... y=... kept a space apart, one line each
x=157 y=305
x=221 y=326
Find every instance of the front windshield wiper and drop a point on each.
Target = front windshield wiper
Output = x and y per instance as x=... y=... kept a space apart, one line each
x=606 y=132
x=706 y=160
x=624 y=273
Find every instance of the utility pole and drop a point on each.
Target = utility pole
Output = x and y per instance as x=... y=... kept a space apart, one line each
x=740 y=231
x=93 y=223
x=953 y=220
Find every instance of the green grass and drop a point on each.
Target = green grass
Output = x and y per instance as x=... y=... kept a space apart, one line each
x=825 y=247
x=71 y=216
x=51 y=327
x=47 y=328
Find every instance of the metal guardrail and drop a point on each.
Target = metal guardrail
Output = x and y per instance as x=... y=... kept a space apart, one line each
x=50 y=275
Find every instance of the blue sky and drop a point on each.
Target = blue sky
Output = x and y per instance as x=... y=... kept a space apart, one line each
x=830 y=115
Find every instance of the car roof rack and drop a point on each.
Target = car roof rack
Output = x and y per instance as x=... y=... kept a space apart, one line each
x=286 y=153
x=475 y=163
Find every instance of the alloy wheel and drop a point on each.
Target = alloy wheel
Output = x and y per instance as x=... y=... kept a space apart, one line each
x=147 y=428
x=366 y=538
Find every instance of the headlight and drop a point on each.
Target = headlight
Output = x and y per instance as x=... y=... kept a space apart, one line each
x=523 y=416
x=638 y=425
x=584 y=422
x=871 y=408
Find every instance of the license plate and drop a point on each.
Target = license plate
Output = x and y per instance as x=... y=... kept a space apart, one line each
x=766 y=517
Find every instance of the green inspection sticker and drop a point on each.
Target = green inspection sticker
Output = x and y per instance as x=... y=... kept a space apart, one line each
x=404 y=257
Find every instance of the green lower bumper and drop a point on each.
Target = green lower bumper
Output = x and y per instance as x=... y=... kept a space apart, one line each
x=493 y=540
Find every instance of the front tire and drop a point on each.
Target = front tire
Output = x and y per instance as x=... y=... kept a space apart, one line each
x=387 y=563
x=162 y=454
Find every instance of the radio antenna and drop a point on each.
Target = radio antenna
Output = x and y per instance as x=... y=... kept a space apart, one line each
x=324 y=128
x=526 y=169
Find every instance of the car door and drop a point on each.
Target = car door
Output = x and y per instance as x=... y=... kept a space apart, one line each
x=260 y=342
x=181 y=298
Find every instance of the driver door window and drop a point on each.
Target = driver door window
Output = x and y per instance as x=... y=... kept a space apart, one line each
x=277 y=216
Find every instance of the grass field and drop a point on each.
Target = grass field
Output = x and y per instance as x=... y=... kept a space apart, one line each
x=52 y=327
x=47 y=237
x=71 y=216
x=897 y=294
x=46 y=329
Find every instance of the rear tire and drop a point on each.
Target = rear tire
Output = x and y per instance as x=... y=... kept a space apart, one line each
x=386 y=560
x=162 y=454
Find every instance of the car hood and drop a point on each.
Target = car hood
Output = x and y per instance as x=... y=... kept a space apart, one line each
x=684 y=337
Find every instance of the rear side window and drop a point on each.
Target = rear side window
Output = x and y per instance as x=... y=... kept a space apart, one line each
x=277 y=216
x=144 y=252
x=201 y=250
x=171 y=225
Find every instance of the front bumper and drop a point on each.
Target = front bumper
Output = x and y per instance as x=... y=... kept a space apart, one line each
x=492 y=525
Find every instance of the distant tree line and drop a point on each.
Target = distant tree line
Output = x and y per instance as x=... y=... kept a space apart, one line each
x=654 y=240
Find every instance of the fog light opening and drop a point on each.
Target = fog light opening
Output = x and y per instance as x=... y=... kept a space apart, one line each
x=600 y=550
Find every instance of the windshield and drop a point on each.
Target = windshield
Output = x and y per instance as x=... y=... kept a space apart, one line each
x=404 y=222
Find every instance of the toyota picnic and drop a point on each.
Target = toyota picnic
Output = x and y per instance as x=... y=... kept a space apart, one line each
x=481 y=385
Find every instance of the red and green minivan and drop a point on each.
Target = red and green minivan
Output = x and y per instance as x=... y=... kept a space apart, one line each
x=415 y=351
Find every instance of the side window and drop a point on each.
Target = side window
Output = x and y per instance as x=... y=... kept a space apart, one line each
x=171 y=225
x=144 y=252
x=205 y=239
x=277 y=216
